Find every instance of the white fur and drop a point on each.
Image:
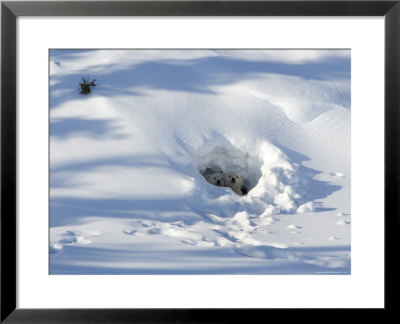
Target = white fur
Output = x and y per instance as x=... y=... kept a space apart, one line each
x=234 y=180
x=216 y=179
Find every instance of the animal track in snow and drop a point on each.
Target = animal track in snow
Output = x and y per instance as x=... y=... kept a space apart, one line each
x=131 y=232
x=337 y=174
x=55 y=248
x=154 y=230
x=72 y=238
x=343 y=222
x=146 y=224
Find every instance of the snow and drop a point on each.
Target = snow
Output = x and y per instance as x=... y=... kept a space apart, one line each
x=127 y=194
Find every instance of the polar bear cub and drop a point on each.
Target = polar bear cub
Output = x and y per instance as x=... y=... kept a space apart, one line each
x=216 y=179
x=234 y=180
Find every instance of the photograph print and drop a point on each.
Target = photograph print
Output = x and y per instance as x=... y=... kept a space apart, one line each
x=199 y=161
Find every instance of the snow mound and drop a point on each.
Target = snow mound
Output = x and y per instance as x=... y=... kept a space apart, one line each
x=128 y=192
x=307 y=207
x=268 y=174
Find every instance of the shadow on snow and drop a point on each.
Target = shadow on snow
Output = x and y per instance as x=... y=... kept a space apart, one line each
x=178 y=262
x=190 y=76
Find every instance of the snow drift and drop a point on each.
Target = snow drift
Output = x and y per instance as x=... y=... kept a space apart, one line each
x=127 y=194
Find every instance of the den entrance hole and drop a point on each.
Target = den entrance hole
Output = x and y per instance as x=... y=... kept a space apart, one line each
x=230 y=167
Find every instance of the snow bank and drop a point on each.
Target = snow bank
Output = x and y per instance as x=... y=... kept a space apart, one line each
x=127 y=160
x=269 y=175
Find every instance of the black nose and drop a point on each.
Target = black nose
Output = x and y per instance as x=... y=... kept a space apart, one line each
x=233 y=180
x=218 y=182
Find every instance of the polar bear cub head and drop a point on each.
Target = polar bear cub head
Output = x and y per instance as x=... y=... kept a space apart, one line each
x=216 y=179
x=234 y=180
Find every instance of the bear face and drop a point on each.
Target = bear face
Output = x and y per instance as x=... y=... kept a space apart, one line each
x=216 y=179
x=234 y=180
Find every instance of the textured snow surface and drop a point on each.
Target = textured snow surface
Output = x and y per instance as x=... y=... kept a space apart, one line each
x=126 y=191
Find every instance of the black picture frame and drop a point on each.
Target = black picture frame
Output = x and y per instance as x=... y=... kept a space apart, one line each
x=10 y=10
